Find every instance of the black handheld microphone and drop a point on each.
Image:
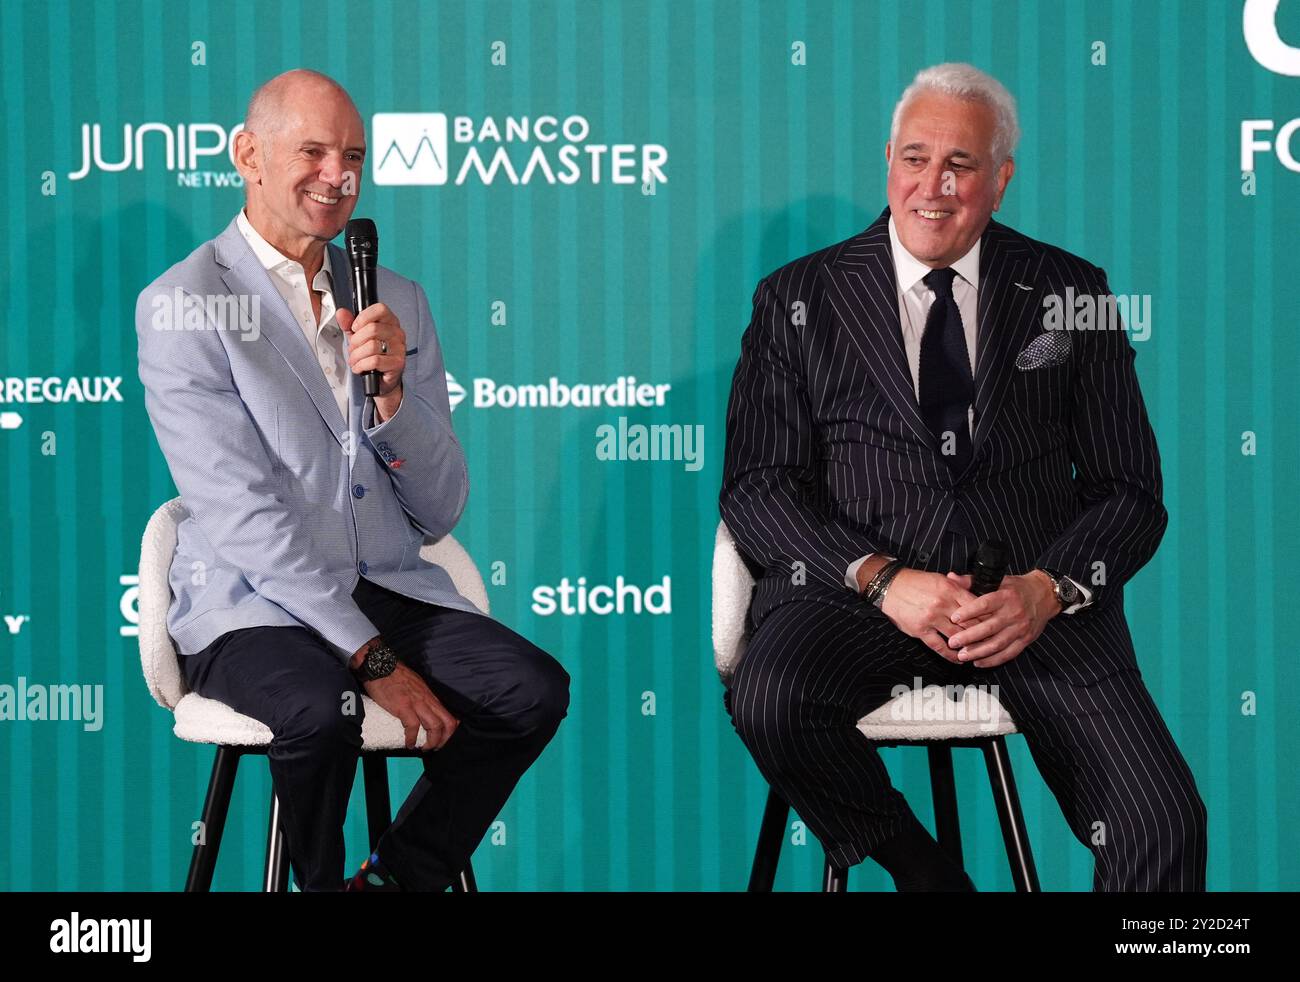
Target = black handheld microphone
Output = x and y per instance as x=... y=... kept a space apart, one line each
x=362 y=244
x=989 y=568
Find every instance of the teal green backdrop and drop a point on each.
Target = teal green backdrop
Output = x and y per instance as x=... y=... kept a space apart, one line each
x=774 y=118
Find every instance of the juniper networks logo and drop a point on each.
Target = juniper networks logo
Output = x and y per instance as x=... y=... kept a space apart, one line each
x=185 y=148
x=412 y=148
x=434 y=148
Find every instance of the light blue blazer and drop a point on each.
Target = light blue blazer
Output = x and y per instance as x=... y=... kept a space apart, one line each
x=287 y=505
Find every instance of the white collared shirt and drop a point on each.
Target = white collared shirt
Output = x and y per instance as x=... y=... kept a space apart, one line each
x=914 y=302
x=324 y=337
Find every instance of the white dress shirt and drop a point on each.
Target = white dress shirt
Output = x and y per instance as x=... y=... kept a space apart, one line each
x=324 y=337
x=914 y=301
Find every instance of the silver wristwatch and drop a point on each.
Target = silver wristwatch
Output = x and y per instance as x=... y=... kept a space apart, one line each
x=1067 y=591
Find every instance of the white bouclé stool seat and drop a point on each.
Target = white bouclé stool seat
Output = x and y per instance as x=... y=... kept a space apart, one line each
x=200 y=720
x=928 y=717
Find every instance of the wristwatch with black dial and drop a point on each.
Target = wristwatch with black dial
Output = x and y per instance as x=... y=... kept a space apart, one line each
x=1067 y=591
x=380 y=662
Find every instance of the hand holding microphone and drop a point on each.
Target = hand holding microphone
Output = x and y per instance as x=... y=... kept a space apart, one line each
x=989 y=568
x=1009 y=611
x=376 y=341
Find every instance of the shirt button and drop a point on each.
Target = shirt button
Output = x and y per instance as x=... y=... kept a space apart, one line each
x=359 y=490
x=361 y=568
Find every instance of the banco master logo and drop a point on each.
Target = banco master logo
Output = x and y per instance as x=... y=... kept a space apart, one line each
x=410 y=148
x=434 y=148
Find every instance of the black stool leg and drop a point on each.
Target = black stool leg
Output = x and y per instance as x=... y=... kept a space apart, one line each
x=1003 y=783
x=944 y=791
x=215 y=807
x=379 y=812
x=275 y=878
x=770 y=835
x=835 y=879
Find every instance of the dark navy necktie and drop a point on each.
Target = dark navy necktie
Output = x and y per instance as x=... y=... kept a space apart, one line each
x=945 y=383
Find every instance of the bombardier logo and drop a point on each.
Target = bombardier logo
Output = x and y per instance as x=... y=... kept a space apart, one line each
x=455 y=392
x=624 y=391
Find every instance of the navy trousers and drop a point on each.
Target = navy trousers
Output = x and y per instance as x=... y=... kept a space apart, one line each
x=812 y=670
x=508 y=696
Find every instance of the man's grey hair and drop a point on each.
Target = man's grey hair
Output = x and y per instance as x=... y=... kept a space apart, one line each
x=965 y=81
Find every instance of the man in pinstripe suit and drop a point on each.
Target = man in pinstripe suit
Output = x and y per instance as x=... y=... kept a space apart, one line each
x=896 y=403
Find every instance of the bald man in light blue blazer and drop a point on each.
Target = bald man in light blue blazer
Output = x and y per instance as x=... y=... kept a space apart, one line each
x=297 y=577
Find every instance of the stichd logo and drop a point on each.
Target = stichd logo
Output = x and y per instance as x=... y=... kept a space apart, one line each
x=410 y=148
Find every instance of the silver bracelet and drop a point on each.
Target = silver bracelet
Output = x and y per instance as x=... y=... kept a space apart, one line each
x=879 y=584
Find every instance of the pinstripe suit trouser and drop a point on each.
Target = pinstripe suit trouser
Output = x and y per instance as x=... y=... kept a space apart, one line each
x=812 y=671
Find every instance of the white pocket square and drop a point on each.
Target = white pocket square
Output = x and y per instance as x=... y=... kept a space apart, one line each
x=1049 y=348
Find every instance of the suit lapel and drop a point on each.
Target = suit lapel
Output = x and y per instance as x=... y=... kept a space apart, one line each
x=1008 y=314
x=245 y=278
x=863 y=291
x=864 y=294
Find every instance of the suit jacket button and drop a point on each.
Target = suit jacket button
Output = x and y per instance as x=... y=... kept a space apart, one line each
x=361 y=568
x=359 y=490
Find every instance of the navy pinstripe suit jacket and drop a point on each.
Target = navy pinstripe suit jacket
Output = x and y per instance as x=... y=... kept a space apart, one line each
x=828 y=457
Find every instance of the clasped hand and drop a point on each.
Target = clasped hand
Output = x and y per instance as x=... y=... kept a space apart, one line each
x=988 y=630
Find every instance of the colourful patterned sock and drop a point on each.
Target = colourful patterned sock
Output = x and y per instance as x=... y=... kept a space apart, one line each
x=373 y=876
